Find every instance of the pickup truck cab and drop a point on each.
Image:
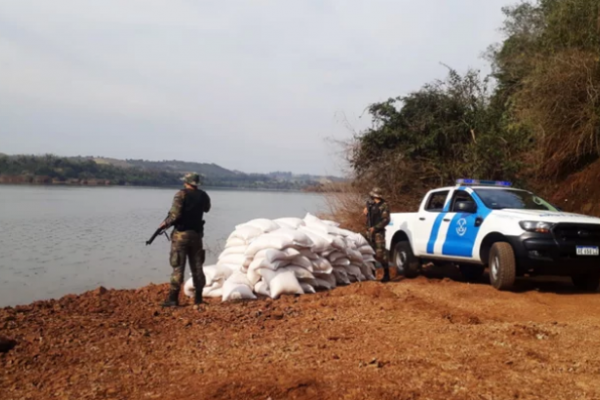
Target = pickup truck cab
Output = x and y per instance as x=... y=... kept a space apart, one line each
x=479 y=224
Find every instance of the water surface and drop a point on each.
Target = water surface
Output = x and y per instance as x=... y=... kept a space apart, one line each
x=60 y=240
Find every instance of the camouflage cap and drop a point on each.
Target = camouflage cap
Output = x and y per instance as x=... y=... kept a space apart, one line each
x=376 y=193
x=191 y=179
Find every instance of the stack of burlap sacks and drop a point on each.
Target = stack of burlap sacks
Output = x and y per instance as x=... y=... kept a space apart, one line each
x=287 y=256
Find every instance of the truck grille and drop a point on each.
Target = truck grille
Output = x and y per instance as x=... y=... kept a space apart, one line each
x=568 y=232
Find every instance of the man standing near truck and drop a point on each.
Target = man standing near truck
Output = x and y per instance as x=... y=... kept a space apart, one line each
x=378 y=217
x=186 y=215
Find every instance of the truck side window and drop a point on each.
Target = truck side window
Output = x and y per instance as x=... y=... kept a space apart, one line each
x=436 y=201
x=459 y=196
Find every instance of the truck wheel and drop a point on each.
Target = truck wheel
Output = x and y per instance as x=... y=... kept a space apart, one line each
x=406 y=262
x=586 y=282
x=471 y=273
x=503 y=266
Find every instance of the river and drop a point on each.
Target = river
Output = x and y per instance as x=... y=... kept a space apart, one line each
x=60 y=240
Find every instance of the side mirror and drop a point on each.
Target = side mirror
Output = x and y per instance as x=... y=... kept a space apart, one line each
x=466 y=207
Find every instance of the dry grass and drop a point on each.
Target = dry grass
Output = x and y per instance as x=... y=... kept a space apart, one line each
x=561 y=101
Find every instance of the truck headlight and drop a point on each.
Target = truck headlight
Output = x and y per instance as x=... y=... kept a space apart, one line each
x=536 y=226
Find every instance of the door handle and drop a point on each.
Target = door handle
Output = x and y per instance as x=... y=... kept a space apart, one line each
x=422 y=219
x=478 y=221
x=446 y=219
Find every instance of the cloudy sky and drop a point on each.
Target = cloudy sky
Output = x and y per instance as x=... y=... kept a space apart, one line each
x=253 y=85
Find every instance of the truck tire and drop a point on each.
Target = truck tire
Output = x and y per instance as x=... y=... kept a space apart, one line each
x=586 y=282
x=471 y=272
x=404 y=259
x=503 y=267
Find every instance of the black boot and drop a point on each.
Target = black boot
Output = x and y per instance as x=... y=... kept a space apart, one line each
x=198 y=298
x=199 y=282
x=172 y=300
x=386 y=275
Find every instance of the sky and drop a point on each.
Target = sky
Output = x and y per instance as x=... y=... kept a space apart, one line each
x=251 y=85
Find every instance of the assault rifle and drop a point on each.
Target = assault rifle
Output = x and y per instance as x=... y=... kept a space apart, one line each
x=159 y=231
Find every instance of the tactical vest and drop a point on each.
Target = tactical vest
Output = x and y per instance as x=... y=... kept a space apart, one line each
x=375 y=213
x=192 y=211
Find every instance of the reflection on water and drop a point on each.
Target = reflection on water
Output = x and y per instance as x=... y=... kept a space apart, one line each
x=59 y=240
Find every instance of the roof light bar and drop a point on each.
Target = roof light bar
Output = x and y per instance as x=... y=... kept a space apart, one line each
x=466 y=182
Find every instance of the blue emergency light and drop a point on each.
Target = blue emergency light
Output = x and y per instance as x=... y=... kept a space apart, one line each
x=465 y=182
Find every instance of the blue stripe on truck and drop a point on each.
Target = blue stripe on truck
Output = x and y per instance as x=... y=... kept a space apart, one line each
x=434 y=233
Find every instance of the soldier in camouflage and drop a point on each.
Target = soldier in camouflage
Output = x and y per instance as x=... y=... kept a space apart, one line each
x=186 y=216
x=378 y=217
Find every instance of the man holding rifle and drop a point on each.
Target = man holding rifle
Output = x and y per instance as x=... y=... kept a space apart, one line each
x=186 y=215
x=378 y=217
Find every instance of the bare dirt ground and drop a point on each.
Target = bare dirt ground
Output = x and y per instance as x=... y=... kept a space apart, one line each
x=426 y=338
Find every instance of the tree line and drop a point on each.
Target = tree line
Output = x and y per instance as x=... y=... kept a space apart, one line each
x=535 y=120
x=51 y=169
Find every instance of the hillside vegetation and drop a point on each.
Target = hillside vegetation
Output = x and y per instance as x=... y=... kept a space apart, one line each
x=534 y=121
x=50 y=169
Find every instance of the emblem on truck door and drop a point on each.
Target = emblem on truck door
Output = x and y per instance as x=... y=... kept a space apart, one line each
x=461 y=227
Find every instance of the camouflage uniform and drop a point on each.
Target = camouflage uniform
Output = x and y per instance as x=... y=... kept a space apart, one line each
x=380 y=218
x=186 y=216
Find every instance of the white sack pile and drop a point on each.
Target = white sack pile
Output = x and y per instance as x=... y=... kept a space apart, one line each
x=287 y=256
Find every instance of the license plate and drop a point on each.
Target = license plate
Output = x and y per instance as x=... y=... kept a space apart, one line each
x=588 y=251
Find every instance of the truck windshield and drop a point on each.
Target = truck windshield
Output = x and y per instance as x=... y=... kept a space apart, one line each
x=497 y=199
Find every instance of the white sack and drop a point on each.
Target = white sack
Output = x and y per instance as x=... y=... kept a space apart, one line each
x=238 y=278
x=260 y=263
x=336 y=255
x=307 y=288
x=369 y=259
x=341 y=277
x=354 y=271
x=293 y=223
x=265 y=225
x=368 y=250
x=312 y=256
x=341 y=262
x=253 y=276
x=246 y=233
x=231 y=267
x=318 y=284
x=355 y=256
x=267 y=274
x=299 y=272
x=262 y=288
x=233 y=250
x=322 y=265
x=320 y=240
x=302 y=262
x=338 y=243
x=233 y=259
x=284 y=283
x=316 y=224
x=268 y=241
x=235 y=242
x=237 y=291
x=329 y=278
x=215 y=273
x=188 y=288
x=298 y=238
x=368 y=270
x=212 y=292
x=273 y=255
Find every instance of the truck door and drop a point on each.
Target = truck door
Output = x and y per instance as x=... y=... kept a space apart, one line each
x=429 y=221
x=464 y=219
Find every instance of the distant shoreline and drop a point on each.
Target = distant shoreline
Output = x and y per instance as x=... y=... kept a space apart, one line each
x=175 y=187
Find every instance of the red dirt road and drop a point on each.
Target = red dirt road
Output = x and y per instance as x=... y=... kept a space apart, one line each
x=419 y=339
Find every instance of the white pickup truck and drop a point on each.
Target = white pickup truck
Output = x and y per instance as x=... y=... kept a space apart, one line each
x=479 y=224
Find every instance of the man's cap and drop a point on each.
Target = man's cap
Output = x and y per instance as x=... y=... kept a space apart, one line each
x=376 y=193
x=191 y=179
